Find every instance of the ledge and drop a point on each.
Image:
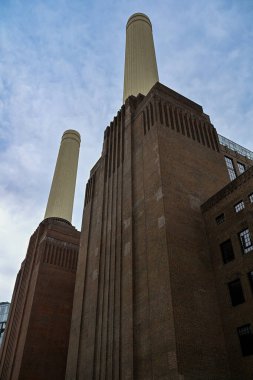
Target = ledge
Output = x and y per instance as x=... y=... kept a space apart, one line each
x=228 y=189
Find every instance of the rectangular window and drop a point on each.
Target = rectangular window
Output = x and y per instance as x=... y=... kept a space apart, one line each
x=230 y=167
x=220 y=219
x=245 y=240
x=246 y=339
x=4 y=308
x=227 y=251
x=239 y=206
x=2 y=328
x=241 y=167
x=251 y=198
x=250 y=277
x=236 y=293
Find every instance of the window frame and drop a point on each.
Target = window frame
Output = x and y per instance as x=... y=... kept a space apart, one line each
x=242 y=165
x=245 y=249
x=234 y=290
x=226 y=258
x=220 y=218
x=246 y=347
x=250 y=278
x=230 y=168
x=250 y=196
x=239 y=206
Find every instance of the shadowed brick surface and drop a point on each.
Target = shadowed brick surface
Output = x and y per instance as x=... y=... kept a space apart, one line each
x=37 y=334
x=238 y=268
x=145 y=304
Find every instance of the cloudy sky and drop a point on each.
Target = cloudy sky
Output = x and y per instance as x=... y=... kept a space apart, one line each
x=61 y=67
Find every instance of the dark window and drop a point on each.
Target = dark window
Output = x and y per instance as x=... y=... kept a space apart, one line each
x=246 y=339
x=250 y=276
x=241 y=167
x=230 y=167
x=2 y=328
x=245 y=240
x=239 y=206
x=227 y=251
x=236 y=293
x=220 y=219
x=251 y=198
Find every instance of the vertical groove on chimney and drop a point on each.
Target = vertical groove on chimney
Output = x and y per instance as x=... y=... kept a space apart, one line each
x=144 y=122
x=166 y=115
x=181 y=121
x=216 y=141
x=123 y=132
x=201 y=131
x=151 y=113
x=148 y=118
x=160 y=112
x=205 y=133
x=171 y=113
x=210 y=136
x=186 y=119
x=196 y=129
x=118 y=138
x=192 y=128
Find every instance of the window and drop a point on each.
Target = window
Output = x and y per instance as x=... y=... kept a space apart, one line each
x=246 y=339
x=227 y=251
x=236 y=293
x=239 y=206
x=230 y=167
x=2 y=328
x=235 y=147
x=245 y=240
x=250 y=277
x=241 y=167
x=251 y=198
x=220 y=219
x=4 y=309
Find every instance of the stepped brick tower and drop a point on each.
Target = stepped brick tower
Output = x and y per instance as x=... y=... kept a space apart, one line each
x=36 y=338
x=146 y=304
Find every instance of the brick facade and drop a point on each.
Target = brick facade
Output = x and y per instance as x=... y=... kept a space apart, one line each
x=37 y=334
x=234 y=268
x=146 y=304
x=150 y=291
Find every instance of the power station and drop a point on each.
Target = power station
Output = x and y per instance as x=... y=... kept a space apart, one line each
x=159 y=282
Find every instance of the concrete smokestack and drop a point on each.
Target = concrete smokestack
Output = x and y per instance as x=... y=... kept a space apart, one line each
x=140 y=60
x=61 y=197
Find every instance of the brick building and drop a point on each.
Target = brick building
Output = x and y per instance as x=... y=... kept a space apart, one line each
x=146 y=304
x=228 y=216
x=164 y=278
x=36 y=339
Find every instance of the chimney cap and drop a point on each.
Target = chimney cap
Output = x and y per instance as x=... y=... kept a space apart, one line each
x=71 y=134
x=138 y=17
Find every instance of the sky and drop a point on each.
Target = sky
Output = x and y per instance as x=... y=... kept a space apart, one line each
x=62 y=67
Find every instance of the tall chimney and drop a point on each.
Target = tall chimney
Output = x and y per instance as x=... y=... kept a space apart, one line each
x=140 y=60
x=61 y=197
